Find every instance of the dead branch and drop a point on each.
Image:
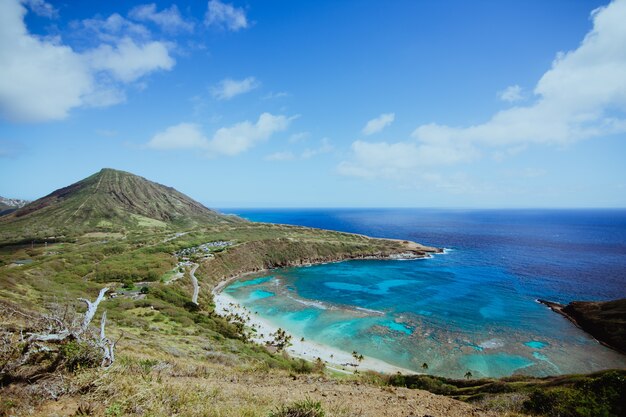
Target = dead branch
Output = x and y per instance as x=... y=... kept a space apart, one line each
x=91 y=308
x=107 y=346
x=44 y=342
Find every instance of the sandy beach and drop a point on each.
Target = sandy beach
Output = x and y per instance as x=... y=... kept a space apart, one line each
x=334 y=358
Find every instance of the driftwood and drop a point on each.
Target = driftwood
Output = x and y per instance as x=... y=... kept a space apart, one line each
x=107 y=346
x=61 y=331
x=91 y=308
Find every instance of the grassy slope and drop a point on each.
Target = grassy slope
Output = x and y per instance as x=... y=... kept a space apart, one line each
x=168 y=346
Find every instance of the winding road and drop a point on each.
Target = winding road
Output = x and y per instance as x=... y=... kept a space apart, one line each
x=194 y=281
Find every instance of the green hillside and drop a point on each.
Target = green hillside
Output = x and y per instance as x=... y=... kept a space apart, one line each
x=107 y=201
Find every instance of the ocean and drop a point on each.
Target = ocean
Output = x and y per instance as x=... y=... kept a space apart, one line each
x=471 y=309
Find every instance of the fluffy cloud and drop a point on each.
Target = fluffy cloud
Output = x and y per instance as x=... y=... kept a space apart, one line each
x=379 y=123
x=43 y=79
x=39 y=79
x=181 y=136
x=128 y=61
x=229 y=88
x=42 y=8
x=583 y=95
x=230 y=141
x=396 y=160
x=242 y=136
x=112 y=28
x=225 y=16
x=169 y=20
x=511 y=94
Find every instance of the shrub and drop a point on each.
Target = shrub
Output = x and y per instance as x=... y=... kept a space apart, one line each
x=425 y=382
x=305 y=408
x=77 y=355
x=191 y=306
x=602 y=396
x=301 y=366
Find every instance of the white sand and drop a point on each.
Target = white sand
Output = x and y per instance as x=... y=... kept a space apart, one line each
x=334 y=358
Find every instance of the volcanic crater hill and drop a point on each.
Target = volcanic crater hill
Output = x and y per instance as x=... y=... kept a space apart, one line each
x=109 y=200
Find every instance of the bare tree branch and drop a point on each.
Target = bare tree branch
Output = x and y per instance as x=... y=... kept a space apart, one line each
x=91 y=309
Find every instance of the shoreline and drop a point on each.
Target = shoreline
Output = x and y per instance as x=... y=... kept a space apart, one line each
x=334 y=358
x=408 y=255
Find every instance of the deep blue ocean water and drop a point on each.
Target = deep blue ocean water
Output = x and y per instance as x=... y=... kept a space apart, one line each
x=473 y=308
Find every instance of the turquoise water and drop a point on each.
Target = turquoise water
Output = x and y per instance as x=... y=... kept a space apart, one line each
x=472 y=309
x=535 y=344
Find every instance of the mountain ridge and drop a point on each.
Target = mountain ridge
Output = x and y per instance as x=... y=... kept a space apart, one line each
x=9 y=205
x=110 y=200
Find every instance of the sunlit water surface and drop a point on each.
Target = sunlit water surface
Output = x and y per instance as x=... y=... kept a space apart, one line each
x=473 y=308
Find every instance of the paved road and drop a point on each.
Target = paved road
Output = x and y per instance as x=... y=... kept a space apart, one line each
x=194 y=280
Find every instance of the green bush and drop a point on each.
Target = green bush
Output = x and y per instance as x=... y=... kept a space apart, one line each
x=301 y=366
x=305 y=408
x=78 y=355
x=604 y=396
x=425 y=382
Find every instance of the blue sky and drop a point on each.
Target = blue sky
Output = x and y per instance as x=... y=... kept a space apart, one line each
x=320 y=104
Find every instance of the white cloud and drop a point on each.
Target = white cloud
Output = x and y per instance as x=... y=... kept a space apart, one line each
x=169 y=20
x=225 y=16
x=39 y=79
x=281 y=156
x=43 y=79
x=230 y=141
x=181 y=136
x=113 y=28
x=242 y=136
x=396 y=160
x=128 y=61
x=379 y=123
x=511 y=94
x=229 y=88
x=42 y=8
x=582 y=96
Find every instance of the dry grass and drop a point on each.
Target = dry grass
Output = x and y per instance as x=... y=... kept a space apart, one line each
x=188 y=388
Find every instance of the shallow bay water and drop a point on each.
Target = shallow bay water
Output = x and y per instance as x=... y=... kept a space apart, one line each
x=471 y=309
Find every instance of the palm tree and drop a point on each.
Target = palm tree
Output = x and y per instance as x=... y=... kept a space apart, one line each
x=468 y=375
